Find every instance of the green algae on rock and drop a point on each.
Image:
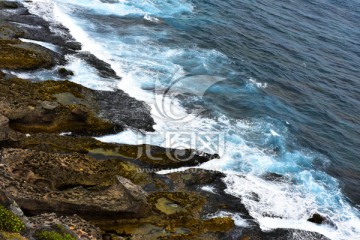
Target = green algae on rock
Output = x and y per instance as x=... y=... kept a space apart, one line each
x=9 y=222
x=12 y=236
x=55 y=232
x=52 y=235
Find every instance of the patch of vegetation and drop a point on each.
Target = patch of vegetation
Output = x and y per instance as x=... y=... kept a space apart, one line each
x=12 y=236
x=9 y=222
x=53 y=235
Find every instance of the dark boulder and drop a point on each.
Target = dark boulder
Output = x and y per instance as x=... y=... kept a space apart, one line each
x=317 y=218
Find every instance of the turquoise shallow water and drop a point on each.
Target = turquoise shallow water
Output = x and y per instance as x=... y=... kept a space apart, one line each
x=288 y=101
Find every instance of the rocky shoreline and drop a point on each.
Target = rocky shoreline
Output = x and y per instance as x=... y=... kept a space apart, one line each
x=71 y=186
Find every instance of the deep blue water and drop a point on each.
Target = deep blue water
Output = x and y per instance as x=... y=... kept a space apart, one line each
x=289 y=102
x=309 y=54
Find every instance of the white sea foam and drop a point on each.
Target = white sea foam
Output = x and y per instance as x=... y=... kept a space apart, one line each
x=274 y=133
x=208 y=189
x=50 y=46
x=151 y=19
x=27 y=25
x=280 y=205
x=87 y=76
x=257 y=84
x=155 y=8
x=238 y=220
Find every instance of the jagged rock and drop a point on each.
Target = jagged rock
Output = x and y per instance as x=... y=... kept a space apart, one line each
x=120 y=108
x=273 y=177
x=317 y=218
x=104 y=69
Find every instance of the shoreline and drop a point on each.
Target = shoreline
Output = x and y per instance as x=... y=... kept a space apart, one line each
x=46 y=173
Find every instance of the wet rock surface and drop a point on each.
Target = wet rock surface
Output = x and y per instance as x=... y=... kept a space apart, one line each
x=115 y=107
x=282 y=234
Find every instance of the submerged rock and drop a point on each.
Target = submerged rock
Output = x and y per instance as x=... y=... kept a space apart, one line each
x=281 y=234
x=104 y=69
x=63 y=72
x=274 y=177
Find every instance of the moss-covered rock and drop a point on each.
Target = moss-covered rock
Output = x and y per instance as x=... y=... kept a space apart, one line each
x=52 y=235
x=15 y=54
x=24 y=56
x=9 y=222
x=12 y=236
x=55 y=232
